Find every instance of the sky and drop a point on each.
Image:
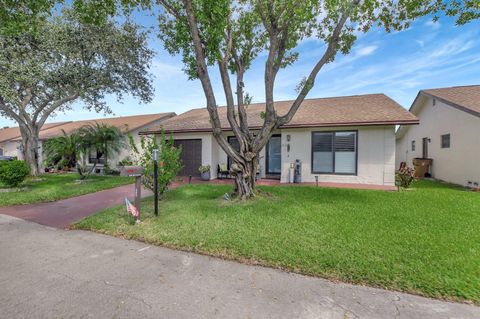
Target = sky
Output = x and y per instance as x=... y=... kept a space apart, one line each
x=399 y=64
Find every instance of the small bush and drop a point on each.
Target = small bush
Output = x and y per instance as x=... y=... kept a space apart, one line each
x=204 y=169
x=13 y=173
x=405 y=176
x=110 y=171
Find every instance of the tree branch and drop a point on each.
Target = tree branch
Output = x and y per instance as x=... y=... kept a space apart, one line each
x=328 y=54
x=44 y=113
x=206 y=83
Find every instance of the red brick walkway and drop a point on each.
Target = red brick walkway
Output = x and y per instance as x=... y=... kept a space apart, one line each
x=62 y=213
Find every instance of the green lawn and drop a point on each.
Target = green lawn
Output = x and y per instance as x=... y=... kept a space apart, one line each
x=52 y=187
x=425 y=240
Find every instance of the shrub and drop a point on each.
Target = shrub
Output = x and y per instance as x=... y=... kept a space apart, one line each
x=127 y=161
x=13 y=173
x=405 y=176
x=204 y=169
x=168 y=160
x=110 y=171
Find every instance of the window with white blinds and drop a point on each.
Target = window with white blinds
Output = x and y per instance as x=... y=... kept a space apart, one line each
x=334 y=153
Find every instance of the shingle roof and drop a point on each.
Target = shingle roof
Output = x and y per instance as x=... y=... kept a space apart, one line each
x=10 y=133
x=55 y=129
x=371 y=109
x=122 y=123
x=463 y=97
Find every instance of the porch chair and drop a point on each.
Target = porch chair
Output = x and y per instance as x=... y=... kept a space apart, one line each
x=223 y=171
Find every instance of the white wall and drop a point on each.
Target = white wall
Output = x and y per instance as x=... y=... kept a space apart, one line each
x=11 y=149
x=376 y=154
x=458 y=164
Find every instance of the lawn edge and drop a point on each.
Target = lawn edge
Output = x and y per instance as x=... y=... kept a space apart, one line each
x=266 y=264
x=62 y=198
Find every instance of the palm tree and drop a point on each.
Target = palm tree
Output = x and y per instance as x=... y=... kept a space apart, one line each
x=102 y=138
x=62 y=150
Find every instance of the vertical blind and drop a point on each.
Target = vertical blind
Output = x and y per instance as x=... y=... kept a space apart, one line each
x=334 y=152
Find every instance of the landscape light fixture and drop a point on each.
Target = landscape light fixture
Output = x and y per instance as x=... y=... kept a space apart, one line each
x=155 y=179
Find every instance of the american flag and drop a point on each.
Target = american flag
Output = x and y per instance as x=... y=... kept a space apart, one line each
x=132 y=209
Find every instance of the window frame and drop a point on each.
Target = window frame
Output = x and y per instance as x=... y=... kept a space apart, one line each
x=91 y=160
x=449 y=140
x=333 y=153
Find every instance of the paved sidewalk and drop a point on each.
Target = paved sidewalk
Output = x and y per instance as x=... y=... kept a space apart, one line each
x=62 y=213
x=53 y=273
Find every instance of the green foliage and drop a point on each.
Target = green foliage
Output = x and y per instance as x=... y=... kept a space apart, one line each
x=73 y=150
x=110 y=171
x=168 y=160
x=204 y=169
x=53 y=187
x=13 y=173
x=464 y=10
x=405 y=176
x=126 y=161
x=244 y=26
x=105 y=139
x=68 y=58
x=44 y=71
x=62 y=150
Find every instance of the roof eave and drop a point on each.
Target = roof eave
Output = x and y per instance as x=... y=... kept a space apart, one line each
x=288 y=126
x=452 y=104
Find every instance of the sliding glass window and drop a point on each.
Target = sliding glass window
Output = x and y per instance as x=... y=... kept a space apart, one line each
x=334 y=153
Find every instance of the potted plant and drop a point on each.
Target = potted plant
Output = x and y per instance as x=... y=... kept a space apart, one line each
x=205 y=172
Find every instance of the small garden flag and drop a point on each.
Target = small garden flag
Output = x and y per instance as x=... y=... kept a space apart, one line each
x=132 y=209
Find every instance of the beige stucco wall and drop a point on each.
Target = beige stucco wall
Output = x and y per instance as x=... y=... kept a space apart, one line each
x=376 y=154
x=458 y=164
x=11 y=149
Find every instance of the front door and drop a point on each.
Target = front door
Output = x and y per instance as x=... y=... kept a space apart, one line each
x=425 y=147
x=191 y=156
x=274 y=155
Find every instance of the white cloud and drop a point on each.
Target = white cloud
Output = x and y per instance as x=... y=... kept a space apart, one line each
x=365 y=51
x=163 y=70
x=433 y=24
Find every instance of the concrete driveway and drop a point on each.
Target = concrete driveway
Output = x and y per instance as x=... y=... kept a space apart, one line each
x=53 y=273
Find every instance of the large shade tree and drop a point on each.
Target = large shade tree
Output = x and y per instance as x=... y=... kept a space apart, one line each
x=65 y=59
x=227 y=36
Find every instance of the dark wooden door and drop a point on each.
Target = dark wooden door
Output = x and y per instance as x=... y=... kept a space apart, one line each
x=191 y=156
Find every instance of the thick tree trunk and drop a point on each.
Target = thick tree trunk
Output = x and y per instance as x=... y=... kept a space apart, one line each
x=31 y=148
x=245 y=177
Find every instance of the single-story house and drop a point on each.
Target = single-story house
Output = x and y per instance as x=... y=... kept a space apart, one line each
x=10 y=138
x=449 y=134
x=347 y=139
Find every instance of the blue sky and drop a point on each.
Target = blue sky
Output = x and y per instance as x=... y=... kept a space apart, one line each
x=427 y=55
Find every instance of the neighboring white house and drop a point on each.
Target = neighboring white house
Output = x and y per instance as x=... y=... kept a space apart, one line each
x=342 y=139
x=449 y=134
x=10 y=139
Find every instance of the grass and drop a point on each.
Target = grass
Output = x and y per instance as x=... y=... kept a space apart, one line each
x=52 y=187
x=424 y=241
